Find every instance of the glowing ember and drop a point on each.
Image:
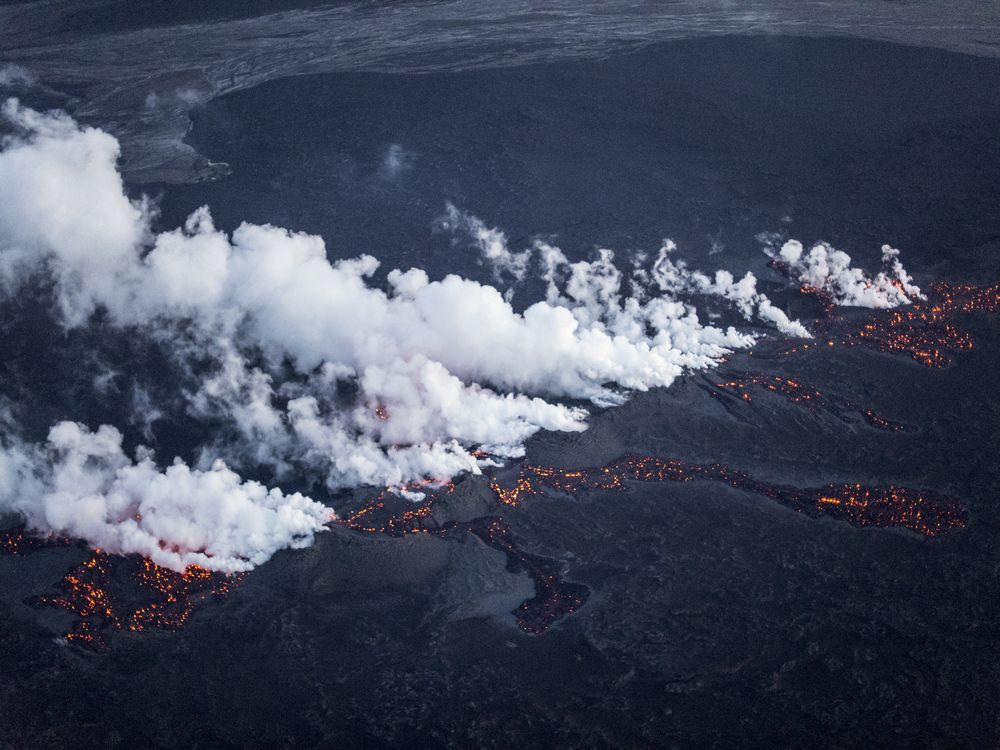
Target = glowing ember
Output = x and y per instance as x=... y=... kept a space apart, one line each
x=799 y=393
x=18 y=541
x=924 y=331
x=130 y=593
x=922 y=512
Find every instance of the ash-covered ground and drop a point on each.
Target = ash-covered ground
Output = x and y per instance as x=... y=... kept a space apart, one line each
x=711 y=615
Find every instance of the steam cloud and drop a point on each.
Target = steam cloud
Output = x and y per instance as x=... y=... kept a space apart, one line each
x=81 y=484
x=830 y=270
x=434 y=369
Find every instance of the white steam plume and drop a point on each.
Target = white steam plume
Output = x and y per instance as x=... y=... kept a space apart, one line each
x=434 y=369
x=81 y=484
x=442 y=366
x=674 y=277
x=596 y=286
x=830 y=271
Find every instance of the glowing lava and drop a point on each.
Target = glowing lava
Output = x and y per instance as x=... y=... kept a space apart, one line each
x=110 y=592
x=925 y=513
x=384 y=514
x=796 y=392
x=18 y=541
x=925 y=331
x=554 y=597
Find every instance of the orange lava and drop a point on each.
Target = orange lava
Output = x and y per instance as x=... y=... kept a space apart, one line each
x=376 y=517
x=824 y=298
x=19 y=541
x=109 y=592
x=797 y=392
x=923 y=512
x=926 y=336
x=926 y=331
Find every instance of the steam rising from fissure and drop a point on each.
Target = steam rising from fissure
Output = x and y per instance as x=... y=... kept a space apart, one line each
x=441 y=375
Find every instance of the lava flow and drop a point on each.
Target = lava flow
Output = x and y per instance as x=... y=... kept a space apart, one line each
x=130 y=593
x=381 y=515
x=926 y=513
x=925 y=331
x=113 y=592
x=798 y=393
x=18 y=541
x=554 y=597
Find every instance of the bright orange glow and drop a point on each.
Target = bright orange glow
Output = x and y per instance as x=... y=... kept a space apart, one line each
x=109 y=592
x=923 y=512
x=926 y=331
x=19 y=542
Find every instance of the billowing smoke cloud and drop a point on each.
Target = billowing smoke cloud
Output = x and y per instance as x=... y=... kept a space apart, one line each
x=830 y=271
x=317 y=371
x=81 y=484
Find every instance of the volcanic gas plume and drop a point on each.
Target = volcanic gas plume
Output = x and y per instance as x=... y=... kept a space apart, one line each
x=321 y=372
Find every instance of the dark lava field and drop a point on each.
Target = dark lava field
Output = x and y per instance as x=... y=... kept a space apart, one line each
x=813 y=558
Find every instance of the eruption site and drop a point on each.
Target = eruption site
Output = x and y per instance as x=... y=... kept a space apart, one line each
x=321 y=371
x=306 y=365
x=923 y=327
x=925 y=331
